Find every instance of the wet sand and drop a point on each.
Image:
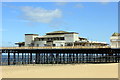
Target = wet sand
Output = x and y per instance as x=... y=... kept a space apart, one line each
x=61 y=71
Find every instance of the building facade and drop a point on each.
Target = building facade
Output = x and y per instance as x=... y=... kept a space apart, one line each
x=58 y=38
x=115 y=40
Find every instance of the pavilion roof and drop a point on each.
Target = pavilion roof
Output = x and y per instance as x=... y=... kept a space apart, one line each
x=61 y=32
x=116 y=34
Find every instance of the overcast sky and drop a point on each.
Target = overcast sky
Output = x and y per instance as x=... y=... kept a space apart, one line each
x=93 y=20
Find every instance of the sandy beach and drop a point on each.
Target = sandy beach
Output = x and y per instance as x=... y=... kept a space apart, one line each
x=61 y=71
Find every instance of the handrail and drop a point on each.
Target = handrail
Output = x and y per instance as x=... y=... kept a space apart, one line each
x=57 y=47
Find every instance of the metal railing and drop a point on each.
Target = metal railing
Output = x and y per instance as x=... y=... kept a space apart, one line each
x=58 y=47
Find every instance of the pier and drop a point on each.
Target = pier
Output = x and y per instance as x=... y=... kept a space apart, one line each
x=60 y=55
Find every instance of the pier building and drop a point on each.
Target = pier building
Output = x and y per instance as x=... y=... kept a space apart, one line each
x=61 y=47
x=115 y=40
x=58 y=38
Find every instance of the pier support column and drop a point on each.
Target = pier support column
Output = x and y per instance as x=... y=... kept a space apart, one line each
x=83 y=58
x=22 y=58
x=70 y=58
x=77 y=58
x=87 y=58
x=118 y=57
x=44 y=56
x=47 y=58
x=52 y=58
x=18 y=58
x=14 y=57
x=67 y=58
x=63 y=58
x=38 y=54
x=106 y=57
x=25 y=58
x=94 y=58
x=102 y=58
x=37 y=58
x=8 y=58
x=30 y=58
x=57 y=58
x=1 y=58
x=73 y=56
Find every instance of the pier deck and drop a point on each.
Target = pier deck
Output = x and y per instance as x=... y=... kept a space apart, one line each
x=61 y=47
x=60 y=55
